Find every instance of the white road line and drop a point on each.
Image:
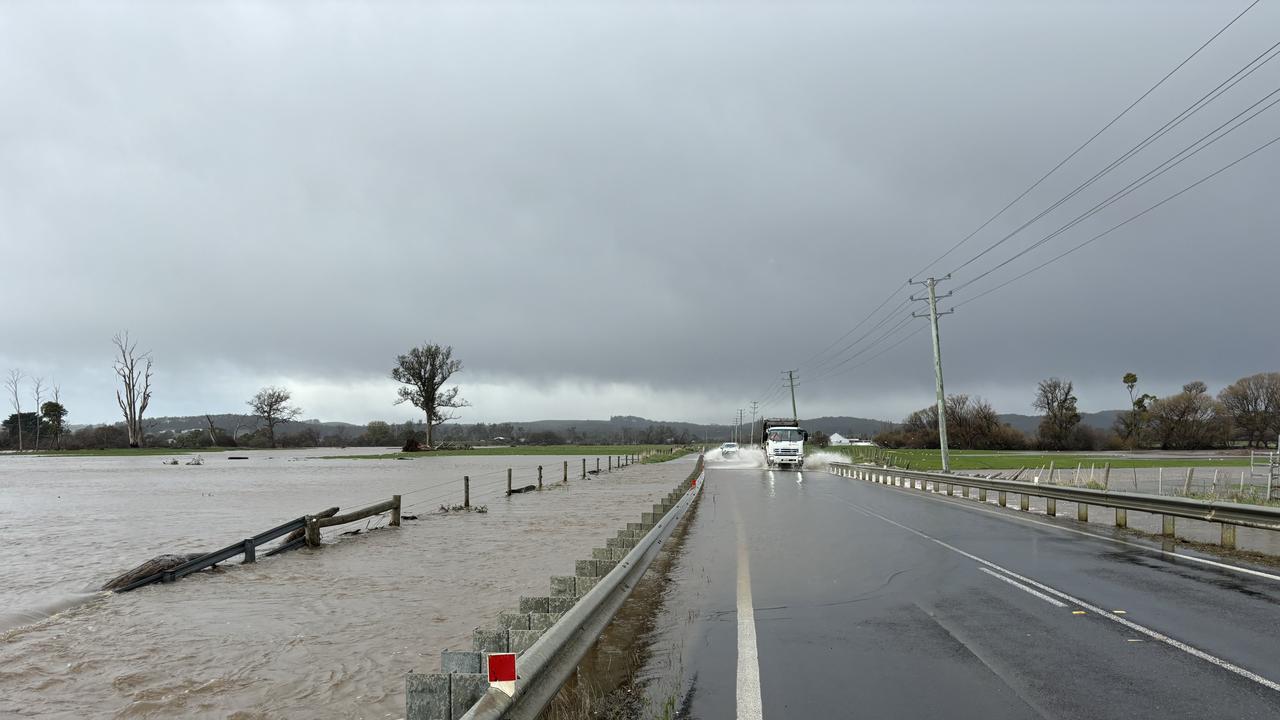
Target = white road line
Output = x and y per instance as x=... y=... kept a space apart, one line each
x=749 y=704
x=1153 y=634
x=1024 y=588
x=1019 y=517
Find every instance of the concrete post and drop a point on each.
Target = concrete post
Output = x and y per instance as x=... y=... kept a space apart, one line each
x=1228 y=536
x=466 y=491
x=1050 y=506
x=1082 y=512
x=1166 y=525
x=1122 y=517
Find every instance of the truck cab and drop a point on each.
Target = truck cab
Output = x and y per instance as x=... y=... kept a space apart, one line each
x=783 y=442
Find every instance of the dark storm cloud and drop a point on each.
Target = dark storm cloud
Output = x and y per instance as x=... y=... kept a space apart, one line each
x=684 y=199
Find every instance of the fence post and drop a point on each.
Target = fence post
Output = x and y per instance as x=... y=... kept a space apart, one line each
x=395 y=511
x=508 y=481
x=609 y=460
x=597 y=466
x=1106 y=476
x=313 y=532
x=466 y=491
x=250 y=556
x=584 y=468
x=1050 y=480
x=566 y=471
x=539 y=477
x=1186 y=486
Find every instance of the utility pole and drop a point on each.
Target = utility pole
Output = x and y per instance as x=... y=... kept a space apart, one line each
x=738 y=425
x=933 y=314
x=791 y=383
x=754 y=405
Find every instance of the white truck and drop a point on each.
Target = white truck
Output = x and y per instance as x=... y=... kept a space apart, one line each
x=783 y=442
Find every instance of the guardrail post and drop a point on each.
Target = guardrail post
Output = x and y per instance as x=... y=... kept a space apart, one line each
x=1002 y=498
x=313 y=532
x=1024 y=502
x=964 y=491
x=982 y=495
x=1166 y=525
x=951 y=489
x=1082 y=512
x=1122 y=517
x=466 y=491
x=251 y=556
x=395 y=511
x=539 y=477
x=1228 y=536
x=1051 y=506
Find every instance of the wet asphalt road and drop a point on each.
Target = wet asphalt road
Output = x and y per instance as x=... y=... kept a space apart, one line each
x=806 y=595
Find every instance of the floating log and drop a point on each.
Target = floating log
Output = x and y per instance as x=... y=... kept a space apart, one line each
x=159 y=563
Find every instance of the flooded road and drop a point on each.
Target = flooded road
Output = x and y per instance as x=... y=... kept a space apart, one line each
x=327 y=633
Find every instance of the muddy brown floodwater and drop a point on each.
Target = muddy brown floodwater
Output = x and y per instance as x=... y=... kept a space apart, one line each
x=325 y=633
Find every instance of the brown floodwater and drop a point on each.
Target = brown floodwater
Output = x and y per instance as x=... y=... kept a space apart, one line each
x=326 y=633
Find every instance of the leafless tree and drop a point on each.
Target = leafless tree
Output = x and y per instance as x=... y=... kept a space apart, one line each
x=1254 y=406
x=13 y=384
x=271 y=405
x=134 y=371
x=37 y=394
x=1056 y=397
x=213 y=440
x=425 y=370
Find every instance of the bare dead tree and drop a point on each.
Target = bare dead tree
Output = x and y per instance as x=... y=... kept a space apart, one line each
x=271 y=405
x=425 y=370
x=213 y=439
x=13 y=384
x=37 y=394
x=134 y=371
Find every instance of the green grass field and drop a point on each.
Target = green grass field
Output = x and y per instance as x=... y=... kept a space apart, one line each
x=1012 y=460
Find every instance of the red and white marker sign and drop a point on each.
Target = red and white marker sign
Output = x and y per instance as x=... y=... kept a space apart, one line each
x=502 y=672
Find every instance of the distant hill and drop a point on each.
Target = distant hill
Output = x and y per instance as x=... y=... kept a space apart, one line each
x=1102 y=420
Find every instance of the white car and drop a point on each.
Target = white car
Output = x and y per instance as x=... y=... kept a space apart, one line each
x=729 y=449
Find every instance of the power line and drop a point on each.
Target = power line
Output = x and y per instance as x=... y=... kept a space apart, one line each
x=1177 y=159
x=1204 y=100
x=1086 y=143
x=1117 y=226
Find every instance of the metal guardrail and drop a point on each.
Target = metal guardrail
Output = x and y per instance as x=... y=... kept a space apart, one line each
x=1229 y=514
x=550 y=661
x=247 y=547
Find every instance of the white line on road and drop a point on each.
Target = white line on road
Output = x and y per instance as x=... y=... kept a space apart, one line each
x=1024 y=588
x=1153 y=634
x=1019 y=517
x=749 y=704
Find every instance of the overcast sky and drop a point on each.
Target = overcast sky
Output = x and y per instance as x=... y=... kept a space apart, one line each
x=624 y=209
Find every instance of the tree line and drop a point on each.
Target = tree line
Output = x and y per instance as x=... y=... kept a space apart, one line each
x=1245 y=413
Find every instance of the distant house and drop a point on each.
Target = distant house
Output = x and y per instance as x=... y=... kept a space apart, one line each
x=838 y=439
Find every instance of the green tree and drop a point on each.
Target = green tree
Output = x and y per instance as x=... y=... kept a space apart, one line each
x=1129 y=427
x=54 y=415
x=424 y=371
x=1254 y=406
